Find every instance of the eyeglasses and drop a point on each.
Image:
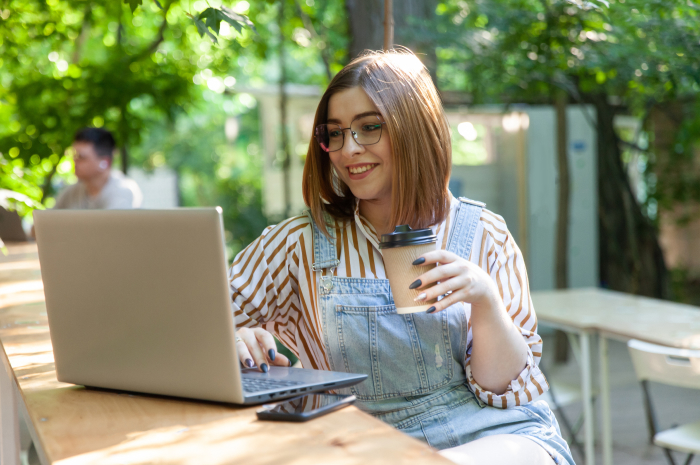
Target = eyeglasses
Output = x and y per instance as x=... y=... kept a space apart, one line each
x=366 y=130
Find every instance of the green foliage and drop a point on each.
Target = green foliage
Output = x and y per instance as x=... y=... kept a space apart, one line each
x=640 y=54
x=66 y=64
x=225 y=173
x=144 y=70
x=133 y=4
x=18 y=191
x=633 y=49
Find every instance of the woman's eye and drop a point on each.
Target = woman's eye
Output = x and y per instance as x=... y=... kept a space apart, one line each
x=371 y=127
x=334 y=134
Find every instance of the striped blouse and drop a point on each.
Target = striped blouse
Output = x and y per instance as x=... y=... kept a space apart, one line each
x=272 y=286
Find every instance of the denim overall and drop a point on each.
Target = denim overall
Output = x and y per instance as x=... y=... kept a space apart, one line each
x=415 y=362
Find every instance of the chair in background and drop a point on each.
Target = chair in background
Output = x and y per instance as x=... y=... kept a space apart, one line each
x=674 y=367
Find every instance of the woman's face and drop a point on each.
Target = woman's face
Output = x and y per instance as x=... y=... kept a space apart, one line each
x=366 y=169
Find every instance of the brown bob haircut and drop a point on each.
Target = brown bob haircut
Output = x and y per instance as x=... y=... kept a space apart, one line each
x=401 y=88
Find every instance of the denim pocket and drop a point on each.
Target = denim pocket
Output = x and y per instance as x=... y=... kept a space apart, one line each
x=403 y=355
x=438 y=432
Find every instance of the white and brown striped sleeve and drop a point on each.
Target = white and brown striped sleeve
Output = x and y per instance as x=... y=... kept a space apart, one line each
x=264 y=283
x=502 y=259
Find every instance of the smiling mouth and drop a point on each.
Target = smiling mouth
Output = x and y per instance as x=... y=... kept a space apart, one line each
x=361 y=169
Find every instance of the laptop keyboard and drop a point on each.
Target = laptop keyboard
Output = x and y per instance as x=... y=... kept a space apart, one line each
x=259 y=384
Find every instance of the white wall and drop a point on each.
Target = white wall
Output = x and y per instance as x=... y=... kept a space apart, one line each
x=301 y=108
x=159 y=187
x=543 y=198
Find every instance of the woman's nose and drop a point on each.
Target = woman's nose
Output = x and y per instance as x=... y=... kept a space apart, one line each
x=350 y=146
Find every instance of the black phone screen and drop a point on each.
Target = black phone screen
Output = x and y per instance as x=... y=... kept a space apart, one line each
x=305 y=404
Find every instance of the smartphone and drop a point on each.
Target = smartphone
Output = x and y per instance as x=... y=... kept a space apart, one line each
x=304 y=408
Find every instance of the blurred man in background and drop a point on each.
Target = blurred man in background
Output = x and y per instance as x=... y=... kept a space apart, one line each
x=98 y=186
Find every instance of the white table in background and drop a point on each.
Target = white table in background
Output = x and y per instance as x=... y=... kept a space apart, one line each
x=613 y=315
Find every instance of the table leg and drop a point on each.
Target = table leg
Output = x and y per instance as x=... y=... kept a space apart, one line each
x=9 y=421
x=606 y=427
x=587 y=388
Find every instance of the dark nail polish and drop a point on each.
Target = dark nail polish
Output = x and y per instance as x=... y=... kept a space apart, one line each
x=415 y=284
x=264 y=367
x=418 y=261
x=430 y=310
x=249 y=363
x=271 y=354
x=290 y=363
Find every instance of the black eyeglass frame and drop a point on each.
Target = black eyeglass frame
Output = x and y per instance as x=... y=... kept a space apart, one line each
x=354 y=134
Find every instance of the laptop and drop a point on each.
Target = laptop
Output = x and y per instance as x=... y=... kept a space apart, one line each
x=138 y=300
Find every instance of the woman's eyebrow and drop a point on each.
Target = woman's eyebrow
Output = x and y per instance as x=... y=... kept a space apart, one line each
x=361 y=115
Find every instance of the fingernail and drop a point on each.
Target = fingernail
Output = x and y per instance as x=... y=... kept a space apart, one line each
x=264 y=367
x=430 y=310
x=419 y=261
x=290 y=363
x=271 y=353
x=415 y=284
x=249 y=363
x=420 y=297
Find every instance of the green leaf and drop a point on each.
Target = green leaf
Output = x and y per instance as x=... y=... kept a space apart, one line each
x=158 y=4
x=203 y=29
x=133 y=4
x=212 y=17
x=236 y=20
x=8 y=198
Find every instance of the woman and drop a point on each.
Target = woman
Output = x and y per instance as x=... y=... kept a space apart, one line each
x=463 y=375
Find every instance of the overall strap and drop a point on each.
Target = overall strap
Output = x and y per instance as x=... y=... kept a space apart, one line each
x=464 y=229
x=324 y=247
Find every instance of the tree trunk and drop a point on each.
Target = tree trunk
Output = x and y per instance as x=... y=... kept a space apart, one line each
x=124 y=158
x=286 y=163
x=388 y=25
x=123 y=132
x=46 y=187
x=562 y=263
x=366 y=19
x=631 y=259
x=561 y=267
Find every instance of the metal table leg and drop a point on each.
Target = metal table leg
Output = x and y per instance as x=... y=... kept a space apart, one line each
x=587 y=388
x=605 y=419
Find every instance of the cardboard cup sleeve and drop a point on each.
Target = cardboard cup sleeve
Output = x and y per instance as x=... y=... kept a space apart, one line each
x=401 y=273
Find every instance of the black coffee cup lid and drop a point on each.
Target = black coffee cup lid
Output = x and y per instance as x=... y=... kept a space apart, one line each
x=404 y=236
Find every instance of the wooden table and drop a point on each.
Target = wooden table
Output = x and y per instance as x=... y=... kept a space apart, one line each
x=613 y=315
x=72 y=425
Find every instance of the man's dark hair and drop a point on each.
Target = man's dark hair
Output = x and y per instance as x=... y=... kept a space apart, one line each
x=101 y=139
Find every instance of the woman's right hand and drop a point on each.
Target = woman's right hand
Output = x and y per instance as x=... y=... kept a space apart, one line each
x=257 y=347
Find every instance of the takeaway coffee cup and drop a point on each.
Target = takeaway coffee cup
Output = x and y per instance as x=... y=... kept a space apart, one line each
x=399 y=249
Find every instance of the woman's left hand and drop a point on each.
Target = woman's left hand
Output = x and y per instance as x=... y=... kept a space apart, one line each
x=466 y=281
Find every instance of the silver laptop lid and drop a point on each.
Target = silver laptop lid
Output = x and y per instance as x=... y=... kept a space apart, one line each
x=138 y=300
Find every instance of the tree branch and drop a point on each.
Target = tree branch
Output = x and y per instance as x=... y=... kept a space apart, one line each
x=47 y=180
x=631 y=145
x=84 y=32
x=310 y=27
x=153 y=46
